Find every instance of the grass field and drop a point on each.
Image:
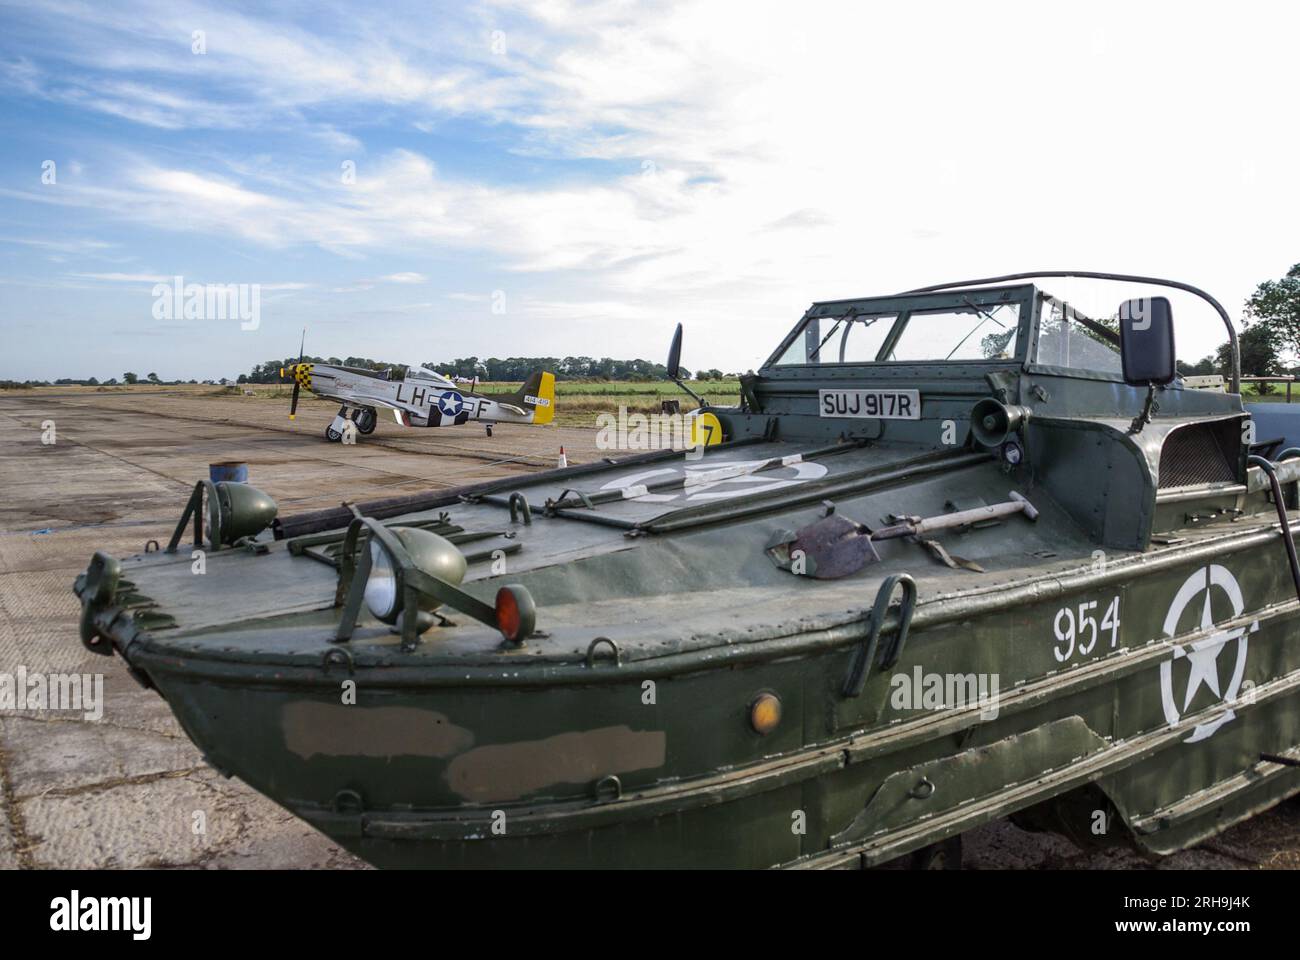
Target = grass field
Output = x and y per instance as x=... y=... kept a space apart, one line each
x=1250 y=393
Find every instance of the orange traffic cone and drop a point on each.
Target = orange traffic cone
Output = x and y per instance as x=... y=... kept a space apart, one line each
x=564 y=461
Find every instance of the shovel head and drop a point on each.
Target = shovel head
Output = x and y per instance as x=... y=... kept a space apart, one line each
x=826 y=549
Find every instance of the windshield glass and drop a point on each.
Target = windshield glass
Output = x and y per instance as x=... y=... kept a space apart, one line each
x=968 y=332
x=965 y=331
x=854 y=338
x=1068 y=339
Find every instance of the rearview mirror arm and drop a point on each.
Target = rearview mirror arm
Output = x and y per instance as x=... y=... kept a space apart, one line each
x=1148 y=411
x=698 y=399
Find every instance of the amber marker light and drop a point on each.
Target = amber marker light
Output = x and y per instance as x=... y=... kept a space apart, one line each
x=765 y=713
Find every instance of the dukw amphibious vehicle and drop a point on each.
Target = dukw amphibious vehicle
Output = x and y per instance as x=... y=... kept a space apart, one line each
x=958 y=554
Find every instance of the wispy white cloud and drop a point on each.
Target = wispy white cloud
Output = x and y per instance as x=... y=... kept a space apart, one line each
x=125 y=277
x=734 y=166
x=62 y=246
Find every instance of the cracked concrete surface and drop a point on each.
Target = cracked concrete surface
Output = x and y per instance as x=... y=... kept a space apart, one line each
x=131 y=790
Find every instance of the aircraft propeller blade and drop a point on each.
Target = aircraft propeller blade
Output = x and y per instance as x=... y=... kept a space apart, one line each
x=293 y=402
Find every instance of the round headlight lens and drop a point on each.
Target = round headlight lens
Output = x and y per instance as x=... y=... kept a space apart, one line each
x=381 y=588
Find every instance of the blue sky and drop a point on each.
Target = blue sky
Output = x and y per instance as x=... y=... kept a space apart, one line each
x=604 y=170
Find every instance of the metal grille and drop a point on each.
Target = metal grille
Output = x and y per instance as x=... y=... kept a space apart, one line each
x=1194 y=455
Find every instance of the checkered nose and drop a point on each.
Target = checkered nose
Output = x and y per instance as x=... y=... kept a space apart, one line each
x=300 y=373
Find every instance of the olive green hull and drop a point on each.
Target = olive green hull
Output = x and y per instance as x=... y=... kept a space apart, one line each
x=569 y=766
x=1033 y=589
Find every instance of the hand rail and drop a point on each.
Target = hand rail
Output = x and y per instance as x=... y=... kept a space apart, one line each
x=1279 y=501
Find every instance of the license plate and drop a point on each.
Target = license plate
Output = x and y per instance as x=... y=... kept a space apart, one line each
x=872 y=404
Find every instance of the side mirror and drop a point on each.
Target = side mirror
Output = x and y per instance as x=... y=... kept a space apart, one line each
x=675 y=355
x=1146 y=337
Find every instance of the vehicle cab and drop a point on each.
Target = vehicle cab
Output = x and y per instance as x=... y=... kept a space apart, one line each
x=1089 y=408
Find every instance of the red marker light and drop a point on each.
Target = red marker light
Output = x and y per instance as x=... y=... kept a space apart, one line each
x=516 y=614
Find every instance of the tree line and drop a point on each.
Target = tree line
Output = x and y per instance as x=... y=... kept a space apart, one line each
x=495 y=369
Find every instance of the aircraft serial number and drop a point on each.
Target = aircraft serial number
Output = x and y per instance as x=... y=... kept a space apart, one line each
x=877 y=404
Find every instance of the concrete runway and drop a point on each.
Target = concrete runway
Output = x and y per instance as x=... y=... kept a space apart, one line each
x=130 y=790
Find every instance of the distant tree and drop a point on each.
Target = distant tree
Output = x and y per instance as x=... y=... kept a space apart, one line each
x=243 y=378
x=1201 y=368
x=153 y=378
x=92 y=382
x=493 y=368
x=1275 y=307
x=130 y=378
x=1259 y=354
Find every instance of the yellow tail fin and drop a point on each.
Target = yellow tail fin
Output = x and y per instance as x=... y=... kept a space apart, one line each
x=537 y=394
x=544 y=404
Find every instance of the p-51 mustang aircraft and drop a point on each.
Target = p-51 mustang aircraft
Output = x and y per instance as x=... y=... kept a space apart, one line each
x=422 y=399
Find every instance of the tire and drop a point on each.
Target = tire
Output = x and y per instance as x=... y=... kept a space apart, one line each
x=365 y=419
x=332 y=435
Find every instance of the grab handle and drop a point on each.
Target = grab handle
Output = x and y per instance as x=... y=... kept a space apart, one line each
x=866 y=653
x=1278 y=501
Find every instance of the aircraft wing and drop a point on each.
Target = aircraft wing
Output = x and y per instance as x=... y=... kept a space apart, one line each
x=394 y=405
x=372 y=402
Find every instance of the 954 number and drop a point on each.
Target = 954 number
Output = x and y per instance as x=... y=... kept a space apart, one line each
x=1078 y=628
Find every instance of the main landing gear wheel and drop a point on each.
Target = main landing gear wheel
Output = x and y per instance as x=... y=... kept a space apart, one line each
x=365 y=419
x=332 y=435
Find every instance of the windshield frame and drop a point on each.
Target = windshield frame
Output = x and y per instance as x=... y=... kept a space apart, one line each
x=1045 y=302
x=821 y=316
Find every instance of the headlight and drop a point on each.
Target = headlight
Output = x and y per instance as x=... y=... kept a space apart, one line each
x=381 y=588
x=407 y=574
x=430 y=553
x=244 y=511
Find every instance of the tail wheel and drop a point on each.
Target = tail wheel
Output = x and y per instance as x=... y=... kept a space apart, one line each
x=332 y=435
x=944 y=855
x=365 y=419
